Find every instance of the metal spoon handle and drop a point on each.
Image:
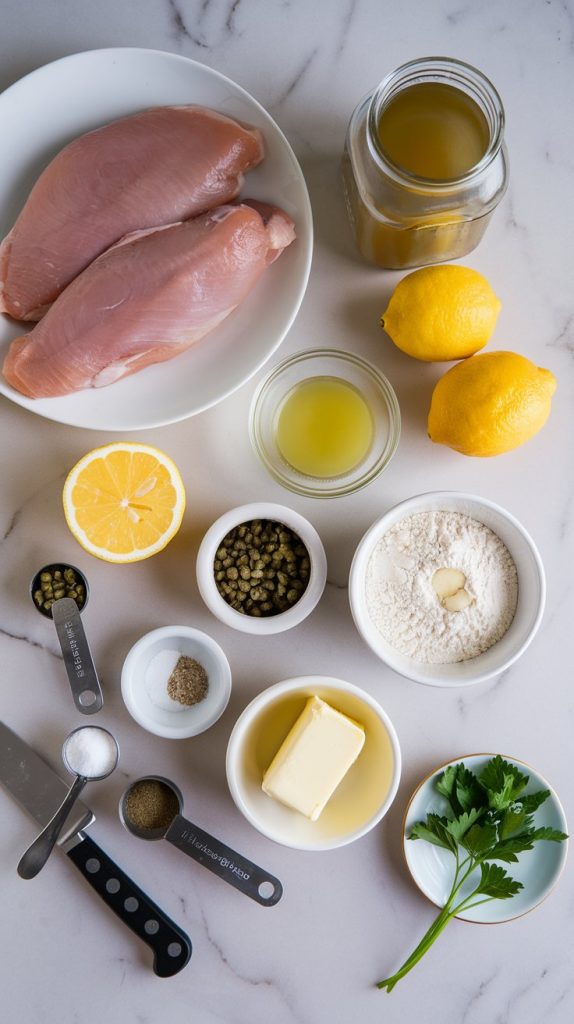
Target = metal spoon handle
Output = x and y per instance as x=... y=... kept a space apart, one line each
x=33 y=860
x=78 y=661
x=243 y=874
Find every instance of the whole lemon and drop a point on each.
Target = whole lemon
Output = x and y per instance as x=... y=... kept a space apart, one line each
x=441 y=313
x=490 y=404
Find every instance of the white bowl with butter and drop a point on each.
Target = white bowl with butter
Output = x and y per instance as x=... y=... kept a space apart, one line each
x=358 y=802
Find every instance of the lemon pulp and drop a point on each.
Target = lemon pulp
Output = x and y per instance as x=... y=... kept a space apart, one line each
x=324 y=427
x=434 y=131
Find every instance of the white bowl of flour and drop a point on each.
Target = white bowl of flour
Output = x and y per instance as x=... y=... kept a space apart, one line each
x=447 y=628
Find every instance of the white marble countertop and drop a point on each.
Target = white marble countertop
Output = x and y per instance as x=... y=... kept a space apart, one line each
x=349 y=916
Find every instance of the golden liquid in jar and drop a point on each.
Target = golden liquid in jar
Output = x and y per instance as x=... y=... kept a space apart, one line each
x=434 y=131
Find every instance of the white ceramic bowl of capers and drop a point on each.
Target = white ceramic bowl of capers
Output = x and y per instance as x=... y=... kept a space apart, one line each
x=261 y=568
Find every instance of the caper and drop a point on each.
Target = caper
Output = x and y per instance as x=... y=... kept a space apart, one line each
x=38 y=596
x=73 y=594
x=261 y=567
x=59 y=593
x=48 y=604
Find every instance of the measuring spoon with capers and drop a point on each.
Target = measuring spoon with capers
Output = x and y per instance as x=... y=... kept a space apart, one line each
x=59 y=592
x=159 y=816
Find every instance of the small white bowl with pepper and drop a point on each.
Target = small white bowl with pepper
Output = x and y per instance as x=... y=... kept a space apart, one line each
x=261 y=568
x=176 y=682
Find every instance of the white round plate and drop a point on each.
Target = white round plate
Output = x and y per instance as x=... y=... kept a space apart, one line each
x=432 y=868
x=47 y=109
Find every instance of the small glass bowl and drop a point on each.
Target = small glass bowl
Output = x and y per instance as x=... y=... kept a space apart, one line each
x=376 y=391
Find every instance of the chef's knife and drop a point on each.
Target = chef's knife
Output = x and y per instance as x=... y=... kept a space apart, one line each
x=38 y=789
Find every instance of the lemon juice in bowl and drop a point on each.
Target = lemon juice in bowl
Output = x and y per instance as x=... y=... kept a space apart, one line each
x=324 y=427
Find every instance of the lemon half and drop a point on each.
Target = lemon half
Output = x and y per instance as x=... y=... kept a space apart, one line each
x=124 y=502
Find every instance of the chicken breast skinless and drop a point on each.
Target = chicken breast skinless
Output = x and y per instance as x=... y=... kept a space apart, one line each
x=154 y=168
x=147 y=299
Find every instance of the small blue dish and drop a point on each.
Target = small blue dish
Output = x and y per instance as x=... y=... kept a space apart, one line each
x=432 y=867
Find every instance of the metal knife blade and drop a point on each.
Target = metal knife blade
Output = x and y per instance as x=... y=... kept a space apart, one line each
x=36 y=786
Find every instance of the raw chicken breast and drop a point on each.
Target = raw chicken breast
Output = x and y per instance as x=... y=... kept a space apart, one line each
x=154 y=168
x=147 y=299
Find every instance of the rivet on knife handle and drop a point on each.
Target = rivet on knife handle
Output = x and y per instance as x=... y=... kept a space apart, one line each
x=171 y=946
x=78 y=661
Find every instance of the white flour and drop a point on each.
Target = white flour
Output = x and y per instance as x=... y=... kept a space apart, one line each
x=405 y=608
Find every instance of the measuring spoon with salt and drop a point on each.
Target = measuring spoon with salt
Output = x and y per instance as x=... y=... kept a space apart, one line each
x=203 y=848
x=91 y=754
x=78 y=661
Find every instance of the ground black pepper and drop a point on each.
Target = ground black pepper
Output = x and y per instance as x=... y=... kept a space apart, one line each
x=150 y=804
x=188 y=683
x=261 y=568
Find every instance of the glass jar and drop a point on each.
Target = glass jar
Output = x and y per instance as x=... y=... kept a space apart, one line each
x=401 y=219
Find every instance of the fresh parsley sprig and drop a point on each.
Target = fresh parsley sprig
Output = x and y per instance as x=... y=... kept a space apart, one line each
x=490 y=818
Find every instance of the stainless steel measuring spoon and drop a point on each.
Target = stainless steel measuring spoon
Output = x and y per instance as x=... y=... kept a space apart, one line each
x=33 y=860
x=204 y=848
x=78 y=661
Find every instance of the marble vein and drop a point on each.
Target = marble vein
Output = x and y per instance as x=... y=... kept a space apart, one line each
x=297 y=78
x=336 y=585
x=565 y=339
x=477 y=996
x=12 y=524
x=345 y=27
x=254 y=983
x=230 y=20
x=180 y=28
x=33 y=643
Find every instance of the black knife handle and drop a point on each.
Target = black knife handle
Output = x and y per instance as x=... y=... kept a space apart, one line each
x=171 y=947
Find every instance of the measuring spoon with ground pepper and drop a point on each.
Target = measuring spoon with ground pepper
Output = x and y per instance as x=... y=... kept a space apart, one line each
x=151 y=808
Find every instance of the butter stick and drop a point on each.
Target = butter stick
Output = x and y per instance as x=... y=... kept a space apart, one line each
x=313 y=758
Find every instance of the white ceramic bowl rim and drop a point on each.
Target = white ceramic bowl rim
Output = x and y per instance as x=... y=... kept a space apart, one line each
x=474 y=670
x=317 y=575
x=267 y=697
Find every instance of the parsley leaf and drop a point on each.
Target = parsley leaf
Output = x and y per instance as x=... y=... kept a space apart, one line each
x=548 y=833
x=446 y=786
x=435 y=831
x=458 y=827
x=494 y=882
x=479 y=839
x=532 y=801
x=503 y=783
x=513 y=819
